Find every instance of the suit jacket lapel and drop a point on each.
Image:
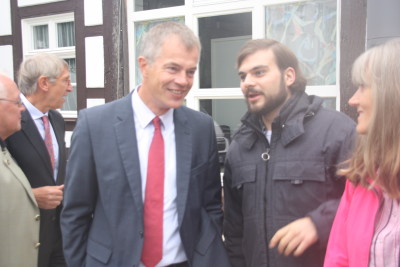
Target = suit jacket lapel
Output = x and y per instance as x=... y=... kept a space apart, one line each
x=31 y=132
x=59 y=131
x=183 y=159
x=20 y=176
x=127 y=144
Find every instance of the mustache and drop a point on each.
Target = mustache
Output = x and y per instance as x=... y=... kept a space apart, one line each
x=251 y=90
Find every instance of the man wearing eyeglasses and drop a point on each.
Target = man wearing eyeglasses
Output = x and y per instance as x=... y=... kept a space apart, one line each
x=19 y=231
x=39 y=148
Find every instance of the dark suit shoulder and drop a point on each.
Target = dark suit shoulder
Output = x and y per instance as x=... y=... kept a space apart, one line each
x=55 y=114
x=108 y=108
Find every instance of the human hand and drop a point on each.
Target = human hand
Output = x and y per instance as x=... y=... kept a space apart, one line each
x=295 y=237
x=48 y=197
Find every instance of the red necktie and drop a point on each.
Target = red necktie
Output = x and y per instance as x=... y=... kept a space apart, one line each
x=154 y=200
x=47 y=139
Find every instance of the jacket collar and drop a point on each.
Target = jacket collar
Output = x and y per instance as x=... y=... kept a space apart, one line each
x=289 y=124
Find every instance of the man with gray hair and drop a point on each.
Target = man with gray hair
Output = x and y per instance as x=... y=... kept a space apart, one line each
x=19 y=231
x=143 y=185
x=39 y=148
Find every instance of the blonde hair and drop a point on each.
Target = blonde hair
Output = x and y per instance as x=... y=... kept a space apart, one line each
x=377 y=153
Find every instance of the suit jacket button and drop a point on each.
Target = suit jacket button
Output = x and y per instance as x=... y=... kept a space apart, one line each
x=53 y=218
x=141 y=234
x=37 y=217
x=37 y=245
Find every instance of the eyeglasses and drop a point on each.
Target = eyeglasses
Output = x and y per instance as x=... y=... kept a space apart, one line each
x=17 y=102
x=66 y=81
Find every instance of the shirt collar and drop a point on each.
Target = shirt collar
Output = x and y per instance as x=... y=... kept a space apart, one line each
x=35 y=113
x=146 y=115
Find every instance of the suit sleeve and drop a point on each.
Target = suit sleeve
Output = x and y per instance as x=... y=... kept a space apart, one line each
x=233 y=220
x=212 y=189
x=324 y=215
x=79 y=196
x=336 y=253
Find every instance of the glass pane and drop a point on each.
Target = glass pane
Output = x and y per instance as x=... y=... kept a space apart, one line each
x=66 y=34
x=309 y=29
x=141 y=5
x=41 y=37
x=71 y=99
x=221 y=38
x=226 y=114
x=140 y=29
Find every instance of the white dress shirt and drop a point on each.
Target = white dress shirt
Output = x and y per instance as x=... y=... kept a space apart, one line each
x=172 y=244
x=37 y=118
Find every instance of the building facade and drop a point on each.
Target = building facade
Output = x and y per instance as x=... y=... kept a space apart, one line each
x=99 y=39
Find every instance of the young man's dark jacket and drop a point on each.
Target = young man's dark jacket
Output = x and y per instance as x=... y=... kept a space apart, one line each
x=268 y=185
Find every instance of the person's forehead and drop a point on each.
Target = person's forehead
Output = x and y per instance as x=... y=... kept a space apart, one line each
x=8 y=86
x=260 y=58
x=65 y=72
x=13 y=90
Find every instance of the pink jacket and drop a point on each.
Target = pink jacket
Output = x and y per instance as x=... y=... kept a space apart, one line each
x=353 y=228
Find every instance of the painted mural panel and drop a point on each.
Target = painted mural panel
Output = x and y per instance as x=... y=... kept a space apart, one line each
x=309 y=29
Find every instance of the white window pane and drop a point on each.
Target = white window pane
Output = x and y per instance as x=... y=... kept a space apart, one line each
x=66 y=34
x=71 y=99
x=221 y=38
x=41 y=37
x=72 y=68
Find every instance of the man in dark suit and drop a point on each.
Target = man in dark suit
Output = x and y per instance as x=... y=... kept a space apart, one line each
x=39 y=148
x=112 y=183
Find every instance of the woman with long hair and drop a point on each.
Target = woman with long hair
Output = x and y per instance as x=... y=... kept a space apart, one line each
x=366 y=230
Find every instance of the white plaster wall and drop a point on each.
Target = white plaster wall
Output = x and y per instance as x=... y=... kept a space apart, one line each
x=94 y=48
x=5 y=18
x=92 y=102
x=6 y=62
x=67 y=138
x=93 y=12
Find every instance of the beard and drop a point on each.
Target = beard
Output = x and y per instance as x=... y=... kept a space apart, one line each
x=271 y=102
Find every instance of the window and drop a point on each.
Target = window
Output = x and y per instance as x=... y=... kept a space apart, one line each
x=54 y=34
x=66 y=34
x=41 y=36
x=221 y=38
x=309 y=29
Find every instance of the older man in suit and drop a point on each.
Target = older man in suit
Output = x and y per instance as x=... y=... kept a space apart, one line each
x=19 y=212
x=39 y=148
x=142 y=185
